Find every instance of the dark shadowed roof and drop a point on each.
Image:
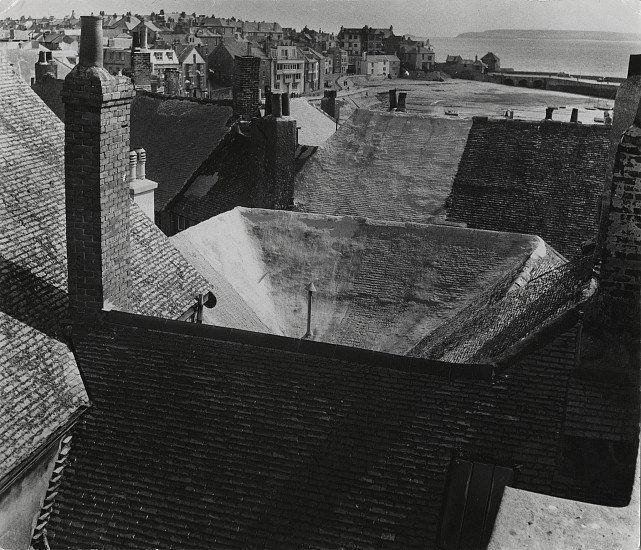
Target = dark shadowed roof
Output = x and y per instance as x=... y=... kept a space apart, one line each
x=32 y=228
x=177 y=136
x=387 y=166
x=381 y=285
x=199 y=438
x=542 y=178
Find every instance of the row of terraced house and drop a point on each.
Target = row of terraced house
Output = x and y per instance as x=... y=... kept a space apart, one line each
x=190 y=55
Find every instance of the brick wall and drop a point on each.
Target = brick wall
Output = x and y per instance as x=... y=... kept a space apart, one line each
x=246 y=86
x=97 y=109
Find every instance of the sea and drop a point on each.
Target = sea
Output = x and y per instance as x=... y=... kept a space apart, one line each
x=606 y=58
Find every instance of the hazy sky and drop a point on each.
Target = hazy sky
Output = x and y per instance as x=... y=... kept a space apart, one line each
x=421 y=17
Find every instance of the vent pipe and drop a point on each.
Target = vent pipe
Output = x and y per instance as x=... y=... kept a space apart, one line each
x=90 y=54
x=286 y=104
x=310 y=290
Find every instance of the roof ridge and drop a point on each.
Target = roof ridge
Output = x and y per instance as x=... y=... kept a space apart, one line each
x=391 y=361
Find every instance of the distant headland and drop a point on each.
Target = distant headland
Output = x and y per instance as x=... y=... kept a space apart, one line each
x=553 y=34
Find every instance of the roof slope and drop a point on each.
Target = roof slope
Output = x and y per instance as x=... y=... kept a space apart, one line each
x=507 y=314
x=33 y=235
x=177 y=136
x=352 y=173
x=40 y=390
x=201 y=439
x=543 y=178
x=316 y=127
x=381 y=285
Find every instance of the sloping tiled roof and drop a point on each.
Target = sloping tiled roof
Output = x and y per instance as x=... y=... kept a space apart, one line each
x=33 y=235
x=351 y=173
x=41 y=389
x=542 y=178
x=316 y=127
x=177 y=136
x=201 y=439
x=238 y=48
x=380 y=285
x=507 y=314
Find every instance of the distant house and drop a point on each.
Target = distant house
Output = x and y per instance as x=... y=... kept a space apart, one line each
x=416 y=57
x=456 y=66
x=340 y=60
x=193 y=68
x=492 y=61
x=221 y=61
x=379 y=65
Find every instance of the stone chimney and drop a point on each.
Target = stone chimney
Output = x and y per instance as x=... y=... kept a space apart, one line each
x=97 y=112
x=274 y=141
x=620 y=279
x=46 y=65
x=141 y=61
x=172 y=82
x=140 y=188
x=246 y=86
x=401 y=106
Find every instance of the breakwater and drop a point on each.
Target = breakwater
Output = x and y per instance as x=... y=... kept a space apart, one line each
x=544 y=81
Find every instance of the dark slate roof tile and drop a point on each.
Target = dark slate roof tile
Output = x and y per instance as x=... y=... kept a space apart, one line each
x=206 y=442
x=178 y=135
x=506 y=314
x=542 y=178
x=351 y=172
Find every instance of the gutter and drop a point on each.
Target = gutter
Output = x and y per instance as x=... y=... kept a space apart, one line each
x=50 y=442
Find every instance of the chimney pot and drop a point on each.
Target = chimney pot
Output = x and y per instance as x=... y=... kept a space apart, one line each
x=276 y=105
x=548 y=113
x=575 y=115
x=90 y=54
x=142 y=161
x=286 y=104
x=133 y=161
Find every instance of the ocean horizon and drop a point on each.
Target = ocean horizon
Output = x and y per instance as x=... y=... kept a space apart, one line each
x=590 y=57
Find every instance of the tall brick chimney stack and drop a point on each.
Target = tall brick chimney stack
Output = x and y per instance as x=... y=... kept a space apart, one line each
x=97 y=112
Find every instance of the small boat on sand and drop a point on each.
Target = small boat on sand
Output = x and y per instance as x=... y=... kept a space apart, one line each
x=451 y=112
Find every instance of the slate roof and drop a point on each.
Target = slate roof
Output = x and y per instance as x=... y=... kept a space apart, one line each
x=177 y=136
x=381 y=285
x=351 y=173
x=238 y=48
x=204 y=437
x=507 y=314
x=542 y=178
x=224 y=180
x=41 y=390
x=32 y=227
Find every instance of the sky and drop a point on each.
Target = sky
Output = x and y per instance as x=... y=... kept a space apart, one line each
x=428 y=18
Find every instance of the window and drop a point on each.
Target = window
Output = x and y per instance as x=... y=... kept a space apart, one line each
x=472 y=501
x=158 y=56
